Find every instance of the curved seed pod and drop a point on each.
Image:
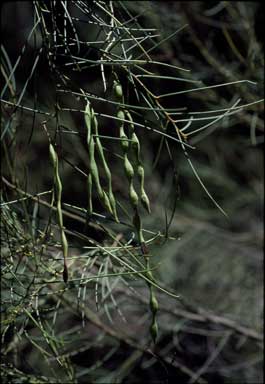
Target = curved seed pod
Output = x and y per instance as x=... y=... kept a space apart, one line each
x=128 y=168
x=109 y=201
x=53 y=155
x=129 y=171
x=136 y=146
x=113 y=205
x=122 y=134
x=143 y=196
x=58 y=186
x=106 y=202
x=124 y=141
x=88 y=121
x=133 y=195
x=131 y=124
x=94 y=172
x=145 y=201
x=94 y=168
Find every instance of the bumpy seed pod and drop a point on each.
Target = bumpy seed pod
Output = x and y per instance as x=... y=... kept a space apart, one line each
x=145 y=201
x=136 y=146
x=94 y=168
x=122 y=134
x=133 y=195
x=130 y=173
x=140 y=172
x=58 y=186
x=128 y=168
x=144 y=198
x=110 y=198
x=94 y=172
x=131 y=123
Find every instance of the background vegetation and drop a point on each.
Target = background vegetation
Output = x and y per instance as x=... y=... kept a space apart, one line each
x=201 y=148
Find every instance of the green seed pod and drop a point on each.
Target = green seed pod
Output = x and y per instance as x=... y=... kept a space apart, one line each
x=128 y=168
x=88 y=116
x=143 y=196
x=121 y=115
x=113 y=205
x=123 y=136
x=133 y=196
x=106 y=202
x=154 y=330
x=131 y=124
x=118 y=90
x=88 y=121
x=145 y=201
x=53 y=155
x=136 y=146
x=124 y=143
x=140 y=173
x=94 y=168
x=58 y=186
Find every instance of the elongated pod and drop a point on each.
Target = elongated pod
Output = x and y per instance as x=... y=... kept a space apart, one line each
x=58 y=186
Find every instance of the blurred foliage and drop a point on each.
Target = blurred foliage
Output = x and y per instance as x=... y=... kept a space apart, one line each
x=95 y=328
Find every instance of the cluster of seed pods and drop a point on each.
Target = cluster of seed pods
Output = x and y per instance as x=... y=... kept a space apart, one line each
x=135 y=166
x=93 y=142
